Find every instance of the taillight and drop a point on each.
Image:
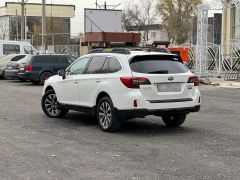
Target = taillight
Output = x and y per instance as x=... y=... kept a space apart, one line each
x=29 y=68
x=134 y=82
x=194 y=80
x=17 y=66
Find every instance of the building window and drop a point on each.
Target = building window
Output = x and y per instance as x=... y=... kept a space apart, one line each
x=236 y=24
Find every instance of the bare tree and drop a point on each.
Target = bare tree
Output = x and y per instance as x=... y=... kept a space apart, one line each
x=177 y=16
x=4 y=28
x=139 y=17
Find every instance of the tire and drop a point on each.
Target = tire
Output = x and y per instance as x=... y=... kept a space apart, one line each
x=174 y=120
x=4 y=75
x=23 y=80
x=106 y=116
x=51 y=107
x=44 y=76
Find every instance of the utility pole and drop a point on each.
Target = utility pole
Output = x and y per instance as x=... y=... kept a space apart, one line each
x=25 y=23
x=17 y=24
x=105 y=5
x=22 y=20
x=43 y=27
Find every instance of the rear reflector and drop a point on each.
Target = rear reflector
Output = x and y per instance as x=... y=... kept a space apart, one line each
x=199 y=99
x=135 y=103
x=194 y=80
x=134 y=82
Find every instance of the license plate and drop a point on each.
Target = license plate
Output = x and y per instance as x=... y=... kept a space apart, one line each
x=10 y=67
x=169 y=87
x=21 y=68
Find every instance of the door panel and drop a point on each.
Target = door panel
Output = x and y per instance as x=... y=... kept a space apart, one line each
x=67 y=90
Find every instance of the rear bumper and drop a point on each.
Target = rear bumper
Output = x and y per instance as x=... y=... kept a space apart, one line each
x=11 y=73
x=28 y=76
x=133 y=113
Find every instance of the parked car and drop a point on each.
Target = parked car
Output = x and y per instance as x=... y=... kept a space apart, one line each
x=16 y=47
x=8 y=59
x=114 y=87
x=38 y=68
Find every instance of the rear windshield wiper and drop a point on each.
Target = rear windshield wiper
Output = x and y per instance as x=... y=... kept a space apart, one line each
x=159 y=72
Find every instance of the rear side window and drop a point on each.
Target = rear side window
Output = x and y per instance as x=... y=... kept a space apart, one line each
x=114 y=65
x=11 y=49
x=157 y=65
x=96 y=65
x=16 y=58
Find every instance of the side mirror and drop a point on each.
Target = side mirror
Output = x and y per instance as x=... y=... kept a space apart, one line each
x=62 y=73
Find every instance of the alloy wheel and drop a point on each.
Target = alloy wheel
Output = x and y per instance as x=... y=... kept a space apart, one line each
x=105 y=115
x=51 y=105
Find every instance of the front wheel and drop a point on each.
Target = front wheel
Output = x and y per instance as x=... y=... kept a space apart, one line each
x=106 y=116
x=50 y=105
x=174 y=120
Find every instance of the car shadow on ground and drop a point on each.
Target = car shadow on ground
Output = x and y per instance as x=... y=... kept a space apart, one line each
x=23 y=83
x=147 y=126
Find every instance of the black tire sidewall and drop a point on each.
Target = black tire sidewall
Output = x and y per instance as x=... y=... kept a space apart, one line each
x=115 y=123
x=62 y=113
x=178 y=120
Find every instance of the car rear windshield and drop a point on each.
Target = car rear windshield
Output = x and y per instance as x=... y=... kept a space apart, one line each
x=159 y=64
x=25 y=60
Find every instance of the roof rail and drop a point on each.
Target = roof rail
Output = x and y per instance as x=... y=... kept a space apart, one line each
x=121 y=51
x=109 y=50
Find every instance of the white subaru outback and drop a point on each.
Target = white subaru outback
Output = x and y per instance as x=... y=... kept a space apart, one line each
x=115 y=86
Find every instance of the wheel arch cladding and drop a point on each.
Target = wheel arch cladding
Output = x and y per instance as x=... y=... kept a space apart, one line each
x=49 y=88
x=101 y=95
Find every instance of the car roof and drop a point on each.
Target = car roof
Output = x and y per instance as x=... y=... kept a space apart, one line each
x=128 y=56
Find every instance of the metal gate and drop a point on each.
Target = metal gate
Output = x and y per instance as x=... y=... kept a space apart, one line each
x=230 y=55
x=73 y=50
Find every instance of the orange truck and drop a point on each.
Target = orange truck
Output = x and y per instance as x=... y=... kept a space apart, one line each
x=182 y=51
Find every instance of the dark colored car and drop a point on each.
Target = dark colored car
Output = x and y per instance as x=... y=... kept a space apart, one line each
x=12 y=67
x=38 y=68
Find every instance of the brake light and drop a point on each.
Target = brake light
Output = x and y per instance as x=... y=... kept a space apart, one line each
x=194 y=80
x=134 y=82
x=29 y=68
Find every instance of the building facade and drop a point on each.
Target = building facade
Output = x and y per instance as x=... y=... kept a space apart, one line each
x=231 y=24
x=57 y=22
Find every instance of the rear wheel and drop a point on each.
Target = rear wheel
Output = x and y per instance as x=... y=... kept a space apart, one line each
x=44 y=76
x=4 y=75
x=50 y=105
x=174 y=120
x=106 y=116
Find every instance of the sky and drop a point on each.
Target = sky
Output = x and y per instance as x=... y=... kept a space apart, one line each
x=78 y=21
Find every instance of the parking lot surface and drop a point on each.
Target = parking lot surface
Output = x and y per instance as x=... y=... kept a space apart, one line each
x=33 y=146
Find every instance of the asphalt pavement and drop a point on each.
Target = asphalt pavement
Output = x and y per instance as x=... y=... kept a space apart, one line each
x=33 y=146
